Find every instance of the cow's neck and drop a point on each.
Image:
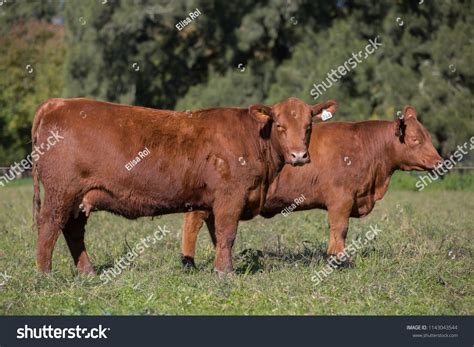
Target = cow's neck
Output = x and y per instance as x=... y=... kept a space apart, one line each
x=270 y=162
x=274 y=157
x=382 y=156
x=271 y=156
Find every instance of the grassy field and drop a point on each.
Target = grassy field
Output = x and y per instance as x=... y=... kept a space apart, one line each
x=420 y=263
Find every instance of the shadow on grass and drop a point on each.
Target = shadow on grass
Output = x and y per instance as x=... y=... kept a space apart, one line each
x=99 y=269
x=251 y=261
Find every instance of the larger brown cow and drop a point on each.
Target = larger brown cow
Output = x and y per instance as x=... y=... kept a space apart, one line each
x=136 y=161
x=350 y=170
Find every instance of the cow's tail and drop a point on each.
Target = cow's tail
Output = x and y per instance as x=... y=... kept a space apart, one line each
x=35 y=173
x=36 y=195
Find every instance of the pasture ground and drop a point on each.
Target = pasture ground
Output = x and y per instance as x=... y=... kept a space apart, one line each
x=421 y=263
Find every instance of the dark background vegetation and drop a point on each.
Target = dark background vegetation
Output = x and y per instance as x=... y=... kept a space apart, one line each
x=92 y=48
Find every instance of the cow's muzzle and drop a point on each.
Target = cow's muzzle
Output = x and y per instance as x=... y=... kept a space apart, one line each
x=299 y=158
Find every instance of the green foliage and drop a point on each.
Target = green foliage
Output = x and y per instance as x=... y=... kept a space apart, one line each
x=13 y=12
x=424 y=62
x=131 y=52
x=31 y=72
x=236 y=88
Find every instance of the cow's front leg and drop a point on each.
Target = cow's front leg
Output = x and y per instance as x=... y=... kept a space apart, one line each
x=338 y=225
x=226 y=222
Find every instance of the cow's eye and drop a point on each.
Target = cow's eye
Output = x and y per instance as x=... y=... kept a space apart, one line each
x=280 y=127
x=415 y=140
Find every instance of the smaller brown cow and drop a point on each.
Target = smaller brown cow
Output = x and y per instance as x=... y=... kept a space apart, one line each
x=220 y=160
x=351 y=166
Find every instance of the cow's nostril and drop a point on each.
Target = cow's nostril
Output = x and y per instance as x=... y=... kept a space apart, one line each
x=299 y=156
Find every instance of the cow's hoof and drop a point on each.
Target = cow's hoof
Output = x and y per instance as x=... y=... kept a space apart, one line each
x=188 y=262
x=87 y=272
x=224 y=274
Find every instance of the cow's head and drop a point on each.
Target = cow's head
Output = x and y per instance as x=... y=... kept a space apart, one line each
x=290 y=122
x=415 y=151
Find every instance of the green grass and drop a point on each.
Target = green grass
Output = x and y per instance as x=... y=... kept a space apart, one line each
x=454 y=181
x=407 y=269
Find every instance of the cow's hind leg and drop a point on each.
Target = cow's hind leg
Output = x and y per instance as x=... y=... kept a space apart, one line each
x=192 y=224
x=51 y=221
x=74 y=234
x=211 y=226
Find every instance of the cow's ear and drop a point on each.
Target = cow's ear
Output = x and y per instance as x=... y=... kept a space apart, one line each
x=400 y=127
x=409 y=112
x=261 y=113
x=324 y=110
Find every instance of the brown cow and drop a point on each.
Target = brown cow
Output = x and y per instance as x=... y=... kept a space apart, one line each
x=136 y=161
x=351 y=166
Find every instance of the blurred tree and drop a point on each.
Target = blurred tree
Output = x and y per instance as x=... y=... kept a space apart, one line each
x=13 y=12
x=130 y=51
x=30 y=72
x=424 y=61
x=238 y=88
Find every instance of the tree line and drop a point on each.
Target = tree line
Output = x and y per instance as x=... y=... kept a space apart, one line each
x=238 y=53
